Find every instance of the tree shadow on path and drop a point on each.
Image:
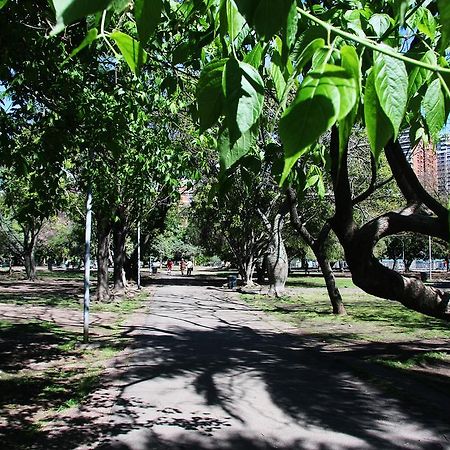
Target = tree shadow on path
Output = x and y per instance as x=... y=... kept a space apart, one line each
x=339 y=396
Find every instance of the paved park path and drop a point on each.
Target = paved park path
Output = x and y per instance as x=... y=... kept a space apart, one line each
x=208 y=372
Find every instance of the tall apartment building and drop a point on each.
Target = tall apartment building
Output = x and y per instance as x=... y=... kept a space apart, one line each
x=443 y=165
x=423 y=160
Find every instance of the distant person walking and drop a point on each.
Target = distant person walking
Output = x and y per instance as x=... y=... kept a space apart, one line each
x=182 y=266
x=190 y=267
x=169 y=266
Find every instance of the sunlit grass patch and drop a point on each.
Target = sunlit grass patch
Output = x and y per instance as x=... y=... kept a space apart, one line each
x=415 y=361
x=375 y=318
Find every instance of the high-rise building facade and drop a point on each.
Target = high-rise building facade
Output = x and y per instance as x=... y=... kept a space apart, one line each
x=443 y=165
x=423 y=160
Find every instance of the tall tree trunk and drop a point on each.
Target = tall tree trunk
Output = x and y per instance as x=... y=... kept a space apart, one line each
x=249 y=269
x=30 y=263
x=119 y=240
x=260 y=269
x=29 y=241
x=317 y=246
x=277 y=259
x=103 y=242
x=330 y=282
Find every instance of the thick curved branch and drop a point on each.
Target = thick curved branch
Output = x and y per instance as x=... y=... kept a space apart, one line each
x=343 y=218
x=297 y=222
x=407 y=181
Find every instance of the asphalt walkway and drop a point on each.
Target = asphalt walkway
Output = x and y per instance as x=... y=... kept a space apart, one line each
x=208 y=372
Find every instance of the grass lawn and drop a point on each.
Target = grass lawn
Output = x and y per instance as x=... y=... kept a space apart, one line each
x=44 y=366
x=370 y=318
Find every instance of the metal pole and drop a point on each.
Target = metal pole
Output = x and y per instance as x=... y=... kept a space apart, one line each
x=87 y=266
x=139 y=255
x=429 y=255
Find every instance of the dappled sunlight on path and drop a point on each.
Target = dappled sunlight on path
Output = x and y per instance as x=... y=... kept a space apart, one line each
x=208 y=372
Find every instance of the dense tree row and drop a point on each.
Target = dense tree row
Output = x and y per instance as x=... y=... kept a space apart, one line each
x=283 y=84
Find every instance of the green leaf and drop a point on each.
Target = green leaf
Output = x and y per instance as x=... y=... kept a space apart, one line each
x=380 y=23
x=444 y=18
x=67 y=11
x=433 y=105
x=244 y=96
x=255 y=56
x=351 y=63
x=425 y=22
x=148 y=15
x=209 y=93
x=308 y=53
x=391 y=85
x=291 y=26
x=231 y=152
x=266 y=16
x=3 y=3
x=91 y=36
x=326 y=95
x=275 y=70
x=419 y=75
x=378 y=126
x=131 y=50
x=235 y=21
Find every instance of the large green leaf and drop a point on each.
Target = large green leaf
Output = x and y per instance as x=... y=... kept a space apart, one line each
x=433 y=105
x=244 y=96
x=425 y=22
x=326 y=95
x=254 y=57
x=3 y=3
x=291 y=27
x=391 y=85
x=234 y=19
x=232 y=151
x=380 y=23
x=67 y=11
x=209 y=93
x=350 y=62
x=308 y=52
x=131 y=50
x=420 y=75
x=275 y=69
x=147 y=14
x=266 y=16
x=378 y=126
x=91 y=36
x=444 y=18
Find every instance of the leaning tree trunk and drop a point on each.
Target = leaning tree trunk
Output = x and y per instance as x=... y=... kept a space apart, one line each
x=330 y=282
x=103 y=238
x=119 y=240
x=359 y=241
x=277 y=259
x=317 y=246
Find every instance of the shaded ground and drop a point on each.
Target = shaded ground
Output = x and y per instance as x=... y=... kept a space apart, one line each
x=206 y=371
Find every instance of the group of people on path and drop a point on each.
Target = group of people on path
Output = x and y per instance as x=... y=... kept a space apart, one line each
x=185 y=266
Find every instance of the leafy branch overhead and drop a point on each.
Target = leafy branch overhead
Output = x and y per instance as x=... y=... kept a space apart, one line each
x=323 y=65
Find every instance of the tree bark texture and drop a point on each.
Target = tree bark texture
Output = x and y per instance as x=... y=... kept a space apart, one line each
x=422 y=214
x=330 y=282
x=103 y=243
x=30 y=234
x=120 y=230
x=277 y=259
